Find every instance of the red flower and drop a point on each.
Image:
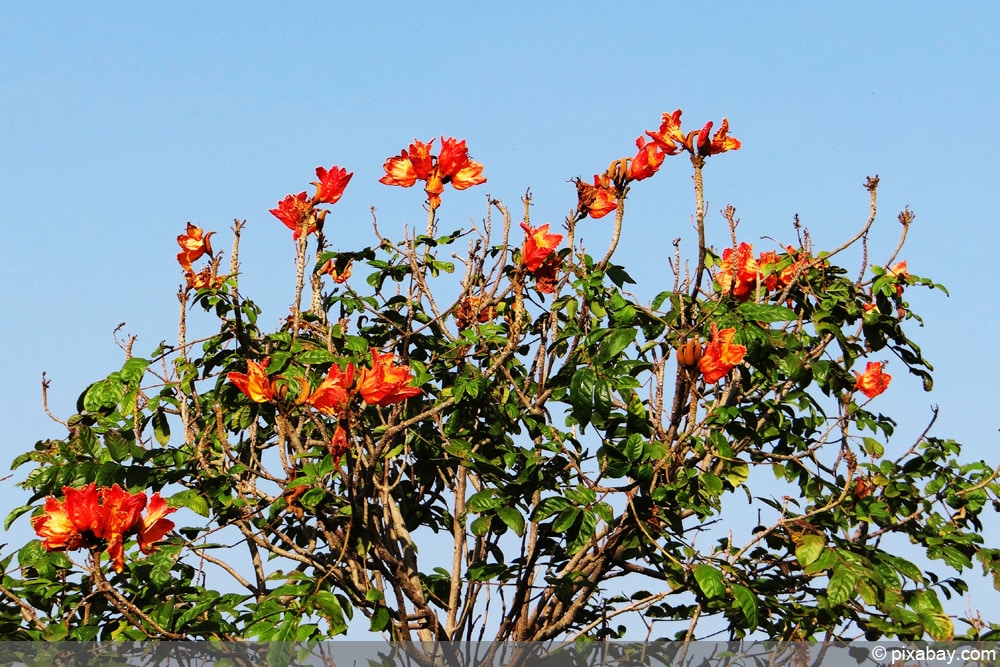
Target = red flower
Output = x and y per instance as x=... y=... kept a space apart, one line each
x=721 y=355
x=451 y=166
x=297 y=213
x=386 y=383
x=154 y=526
x=334 y=393
x=595 y=200
x=193 y=245
x=647 y=161
x=254 y=383
x=70 y=524
x=669 y=137
x=538 y=245
x=120 y=513
x=873 y=381
x=92 y=517
x=720 y=143
x=738 y=271
x=331 y=184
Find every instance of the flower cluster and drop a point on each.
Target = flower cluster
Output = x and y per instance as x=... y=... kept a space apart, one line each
x=740 y=274
x=383 y=384
x=102 y=517
x=195 y=244
x=299 y=212
x=452 y=165
x=671 y=139
x=721 y=355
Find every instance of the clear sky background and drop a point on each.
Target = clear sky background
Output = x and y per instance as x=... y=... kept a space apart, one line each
x=119 y=122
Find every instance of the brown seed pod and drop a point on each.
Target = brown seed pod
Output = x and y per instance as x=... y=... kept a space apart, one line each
x=689 y=353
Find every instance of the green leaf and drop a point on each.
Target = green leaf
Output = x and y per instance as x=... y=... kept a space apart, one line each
x=747 y=602
x=315 y=357
x=482 y=501
x=634 y=447
x=808 y=548
x=762 y=312
x=329 y=606
x=613 y=344
x=709 y=580
x=133 y=370
x=842 y=585
x=16 y=513
x=581 y=394
x=549 y=506
x=380 y=620
x=588 y=524
x=513 y=518
x=565 y=519
x=161 y=429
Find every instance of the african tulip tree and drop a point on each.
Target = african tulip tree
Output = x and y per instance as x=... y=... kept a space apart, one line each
x=537 y=455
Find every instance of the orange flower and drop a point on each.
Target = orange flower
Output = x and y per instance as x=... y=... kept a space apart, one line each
x=333 y=394
x=121 y=512
x=330 y=269
x=456 y=167
x=451 y=166
x=297 y=213
x=720 y=143
x=721 y=355
x=669 y=137
x=538 y=245
x=68 y=525
x=647 y=161
x=737 y=273
x=331 y=184
x=386 y=383
x=595 y=200
x=873 y=381
x=254 y=383
x=154 y=526
x=193 y=245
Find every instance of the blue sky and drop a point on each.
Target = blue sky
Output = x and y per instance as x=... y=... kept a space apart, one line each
x=119 y=122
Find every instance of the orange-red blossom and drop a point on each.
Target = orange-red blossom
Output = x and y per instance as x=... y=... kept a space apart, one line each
x=452 y=165
x=721 y=355
x=697 y=142
x=538 y=245
x=194 y=243
x=254 y=383
x=595 y=200
x=386 y=383
x=93 y=517
x=298 y=212
x=873 y=381
x=738 y=272
x=334 y=393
